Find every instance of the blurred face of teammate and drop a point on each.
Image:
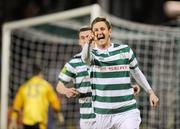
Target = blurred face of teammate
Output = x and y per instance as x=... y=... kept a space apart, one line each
x=102 y=35
x=84 y=37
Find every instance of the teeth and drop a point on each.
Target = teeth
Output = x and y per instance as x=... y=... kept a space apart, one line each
x=101 y=37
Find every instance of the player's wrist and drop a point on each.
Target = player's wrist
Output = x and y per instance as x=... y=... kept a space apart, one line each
x=150 y=92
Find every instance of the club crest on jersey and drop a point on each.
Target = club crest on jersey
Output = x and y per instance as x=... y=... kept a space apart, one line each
x=122 y=55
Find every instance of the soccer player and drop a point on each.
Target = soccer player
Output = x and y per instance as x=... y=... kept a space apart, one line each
x=77 y=71
x=34 y=97
x=111 y=65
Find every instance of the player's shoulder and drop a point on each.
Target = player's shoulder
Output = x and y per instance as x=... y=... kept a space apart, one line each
x=72 y=59
x=120 y=46
x=35 y=80
x=77 y=56
x=41 y=81
x=22 y=87
x=76 y=59
x=44 y=82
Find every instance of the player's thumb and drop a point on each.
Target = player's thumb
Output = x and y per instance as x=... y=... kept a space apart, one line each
x=151 y=103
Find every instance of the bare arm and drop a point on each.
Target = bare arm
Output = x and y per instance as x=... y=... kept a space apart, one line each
x=68 y=92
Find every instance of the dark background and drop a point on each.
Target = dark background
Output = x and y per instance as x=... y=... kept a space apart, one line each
x=145 y=11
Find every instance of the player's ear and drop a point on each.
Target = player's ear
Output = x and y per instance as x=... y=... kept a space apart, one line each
x=110 y=31
x=80 y=42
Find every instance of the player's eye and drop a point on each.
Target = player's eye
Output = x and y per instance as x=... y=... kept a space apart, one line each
x=102 y=28
x=95 y=30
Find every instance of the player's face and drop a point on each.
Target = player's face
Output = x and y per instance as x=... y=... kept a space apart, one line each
x=102 y=34
x=84 y=37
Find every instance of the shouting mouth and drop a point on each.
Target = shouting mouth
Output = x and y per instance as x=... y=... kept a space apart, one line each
x=102 y=36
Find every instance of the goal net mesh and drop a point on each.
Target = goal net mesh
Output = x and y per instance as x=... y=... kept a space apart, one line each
x=157 y=49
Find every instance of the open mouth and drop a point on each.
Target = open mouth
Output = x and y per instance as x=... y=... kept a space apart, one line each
x=102 y=36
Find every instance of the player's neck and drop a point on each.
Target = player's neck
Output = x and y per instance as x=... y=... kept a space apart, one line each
x=40 y=75
x=104 y=46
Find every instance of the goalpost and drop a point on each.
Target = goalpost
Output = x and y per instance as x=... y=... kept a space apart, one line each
x=52 y=39
x=93 y=11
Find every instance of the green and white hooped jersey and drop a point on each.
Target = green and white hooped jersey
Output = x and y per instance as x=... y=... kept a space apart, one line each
x=78 y=72
x=112 y=92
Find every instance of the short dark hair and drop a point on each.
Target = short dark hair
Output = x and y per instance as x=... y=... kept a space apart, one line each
x=101 y=19
x=84 y=28
x=36 y=69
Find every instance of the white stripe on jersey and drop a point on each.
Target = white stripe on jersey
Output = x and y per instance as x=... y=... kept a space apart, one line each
x=113 y=105
x=118 y=47
x=111 y=48
x=82 y=79
x=86 y=110
x=114 y=93
x=114 y=57
x=122 y=80
x=81 y=68
x=65 y=78
x=133 y=63
x=84 y=89
x=76 y=60
x=70 y=68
